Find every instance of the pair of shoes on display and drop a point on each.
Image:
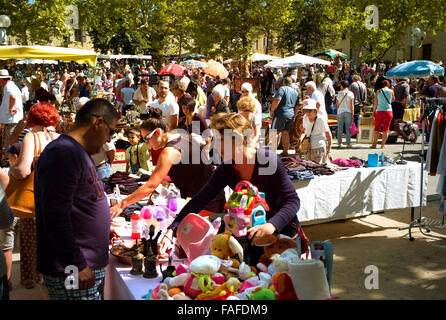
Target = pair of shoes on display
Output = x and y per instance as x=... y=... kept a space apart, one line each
x=28 y=284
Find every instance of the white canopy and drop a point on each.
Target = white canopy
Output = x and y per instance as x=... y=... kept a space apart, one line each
x=262 y=57
x=124 y=56
x=36 y=61
x=298 y=60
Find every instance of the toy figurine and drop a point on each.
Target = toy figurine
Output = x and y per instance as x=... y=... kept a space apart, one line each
x=237 y=222
x=137 y=262
x=151 y=242
x=150 y=265
x=169 y=271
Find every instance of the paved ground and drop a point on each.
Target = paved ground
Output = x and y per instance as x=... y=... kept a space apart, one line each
x=407 y=270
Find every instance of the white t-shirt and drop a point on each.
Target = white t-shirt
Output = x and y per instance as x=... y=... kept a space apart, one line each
x=318 y=138
x=150 y=95
x=56 y=88
x=345 y=105
x=128 y=96
x=169 y=108
x=101 y=156
x=5 y=117
x=319 y=97
x=25 y=94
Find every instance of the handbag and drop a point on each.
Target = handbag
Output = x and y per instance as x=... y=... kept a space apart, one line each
x=305 y=146
x=20 y=193
x=353 y=129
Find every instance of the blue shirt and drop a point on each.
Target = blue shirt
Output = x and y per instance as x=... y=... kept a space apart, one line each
x=289 y=98
x=72 y=212
x=384 y=100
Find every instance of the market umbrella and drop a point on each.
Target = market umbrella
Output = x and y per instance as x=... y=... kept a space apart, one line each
x=54 y=53
x=193 y=64
x=262 y=57
x=215 y=69
x=172 y=69
x=416 y=68
x=298 y=60
x=195 y=56
x=37 y=61
x=331 y=53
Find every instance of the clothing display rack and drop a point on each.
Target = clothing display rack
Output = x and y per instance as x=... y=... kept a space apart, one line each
x=422 y=222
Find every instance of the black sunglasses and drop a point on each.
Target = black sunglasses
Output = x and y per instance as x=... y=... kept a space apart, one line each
x=112 y=131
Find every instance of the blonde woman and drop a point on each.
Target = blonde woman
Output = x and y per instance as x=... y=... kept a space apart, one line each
x=263 y=168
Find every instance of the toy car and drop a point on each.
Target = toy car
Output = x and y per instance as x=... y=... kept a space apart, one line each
x=256 y=205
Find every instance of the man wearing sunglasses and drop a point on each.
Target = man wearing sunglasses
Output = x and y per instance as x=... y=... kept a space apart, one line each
x=72 y=212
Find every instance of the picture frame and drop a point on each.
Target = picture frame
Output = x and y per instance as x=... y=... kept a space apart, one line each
x=365 y=134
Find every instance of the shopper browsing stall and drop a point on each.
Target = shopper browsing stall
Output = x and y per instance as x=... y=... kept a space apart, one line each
x=176 y=161
x=72 y=212
x=382 y=111
x=242 y=161
x=315 y=128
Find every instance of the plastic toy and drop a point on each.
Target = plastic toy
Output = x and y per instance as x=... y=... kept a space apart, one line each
x=323 y=250
x=194 y=235
x=237 y=222
x=247 y=197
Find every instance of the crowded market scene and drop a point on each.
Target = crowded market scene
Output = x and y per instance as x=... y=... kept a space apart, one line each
x=267 y=175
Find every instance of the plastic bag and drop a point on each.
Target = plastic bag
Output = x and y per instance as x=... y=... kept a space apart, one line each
x=353 y=129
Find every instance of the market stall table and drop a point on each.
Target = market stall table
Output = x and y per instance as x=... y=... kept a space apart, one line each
x=359 y=191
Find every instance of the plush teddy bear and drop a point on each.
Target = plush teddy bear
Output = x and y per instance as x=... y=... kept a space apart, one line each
x=273 y=244
x=225 y=246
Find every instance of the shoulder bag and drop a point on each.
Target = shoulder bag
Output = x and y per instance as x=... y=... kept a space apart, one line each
x=20 y=193
x=305 y=146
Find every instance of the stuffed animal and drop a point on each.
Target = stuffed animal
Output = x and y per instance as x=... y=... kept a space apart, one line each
x=273 y=244
x=202 y=277
x=283 y=286
x=225 y=246
x=280 y=262
x=263 y=294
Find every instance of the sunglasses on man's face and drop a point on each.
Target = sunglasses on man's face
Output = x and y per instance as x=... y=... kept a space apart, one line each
x=112 y=131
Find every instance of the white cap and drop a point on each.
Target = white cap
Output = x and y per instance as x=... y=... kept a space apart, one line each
x=309 y=104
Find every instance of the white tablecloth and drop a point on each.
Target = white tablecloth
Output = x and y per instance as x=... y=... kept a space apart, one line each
x=359 y=191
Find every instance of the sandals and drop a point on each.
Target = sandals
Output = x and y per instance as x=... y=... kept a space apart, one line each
x=28 y=284
x=373 y=146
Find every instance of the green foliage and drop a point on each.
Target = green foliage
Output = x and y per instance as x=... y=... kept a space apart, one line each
x=230 y=27
x=314 y=25
x=37 y=23
x=396 y=18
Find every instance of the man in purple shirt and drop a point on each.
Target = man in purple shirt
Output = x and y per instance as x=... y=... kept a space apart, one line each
x=72 y=212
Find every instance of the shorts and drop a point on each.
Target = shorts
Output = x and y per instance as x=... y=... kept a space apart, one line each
x=282 y=124
x=57 y=291
x=7 y=236
x=383 y=118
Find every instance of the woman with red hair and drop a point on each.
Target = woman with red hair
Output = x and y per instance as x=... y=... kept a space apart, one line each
x=42 y=120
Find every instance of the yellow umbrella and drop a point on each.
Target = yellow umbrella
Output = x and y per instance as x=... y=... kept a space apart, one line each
x=215 y=69
x=50 y=53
